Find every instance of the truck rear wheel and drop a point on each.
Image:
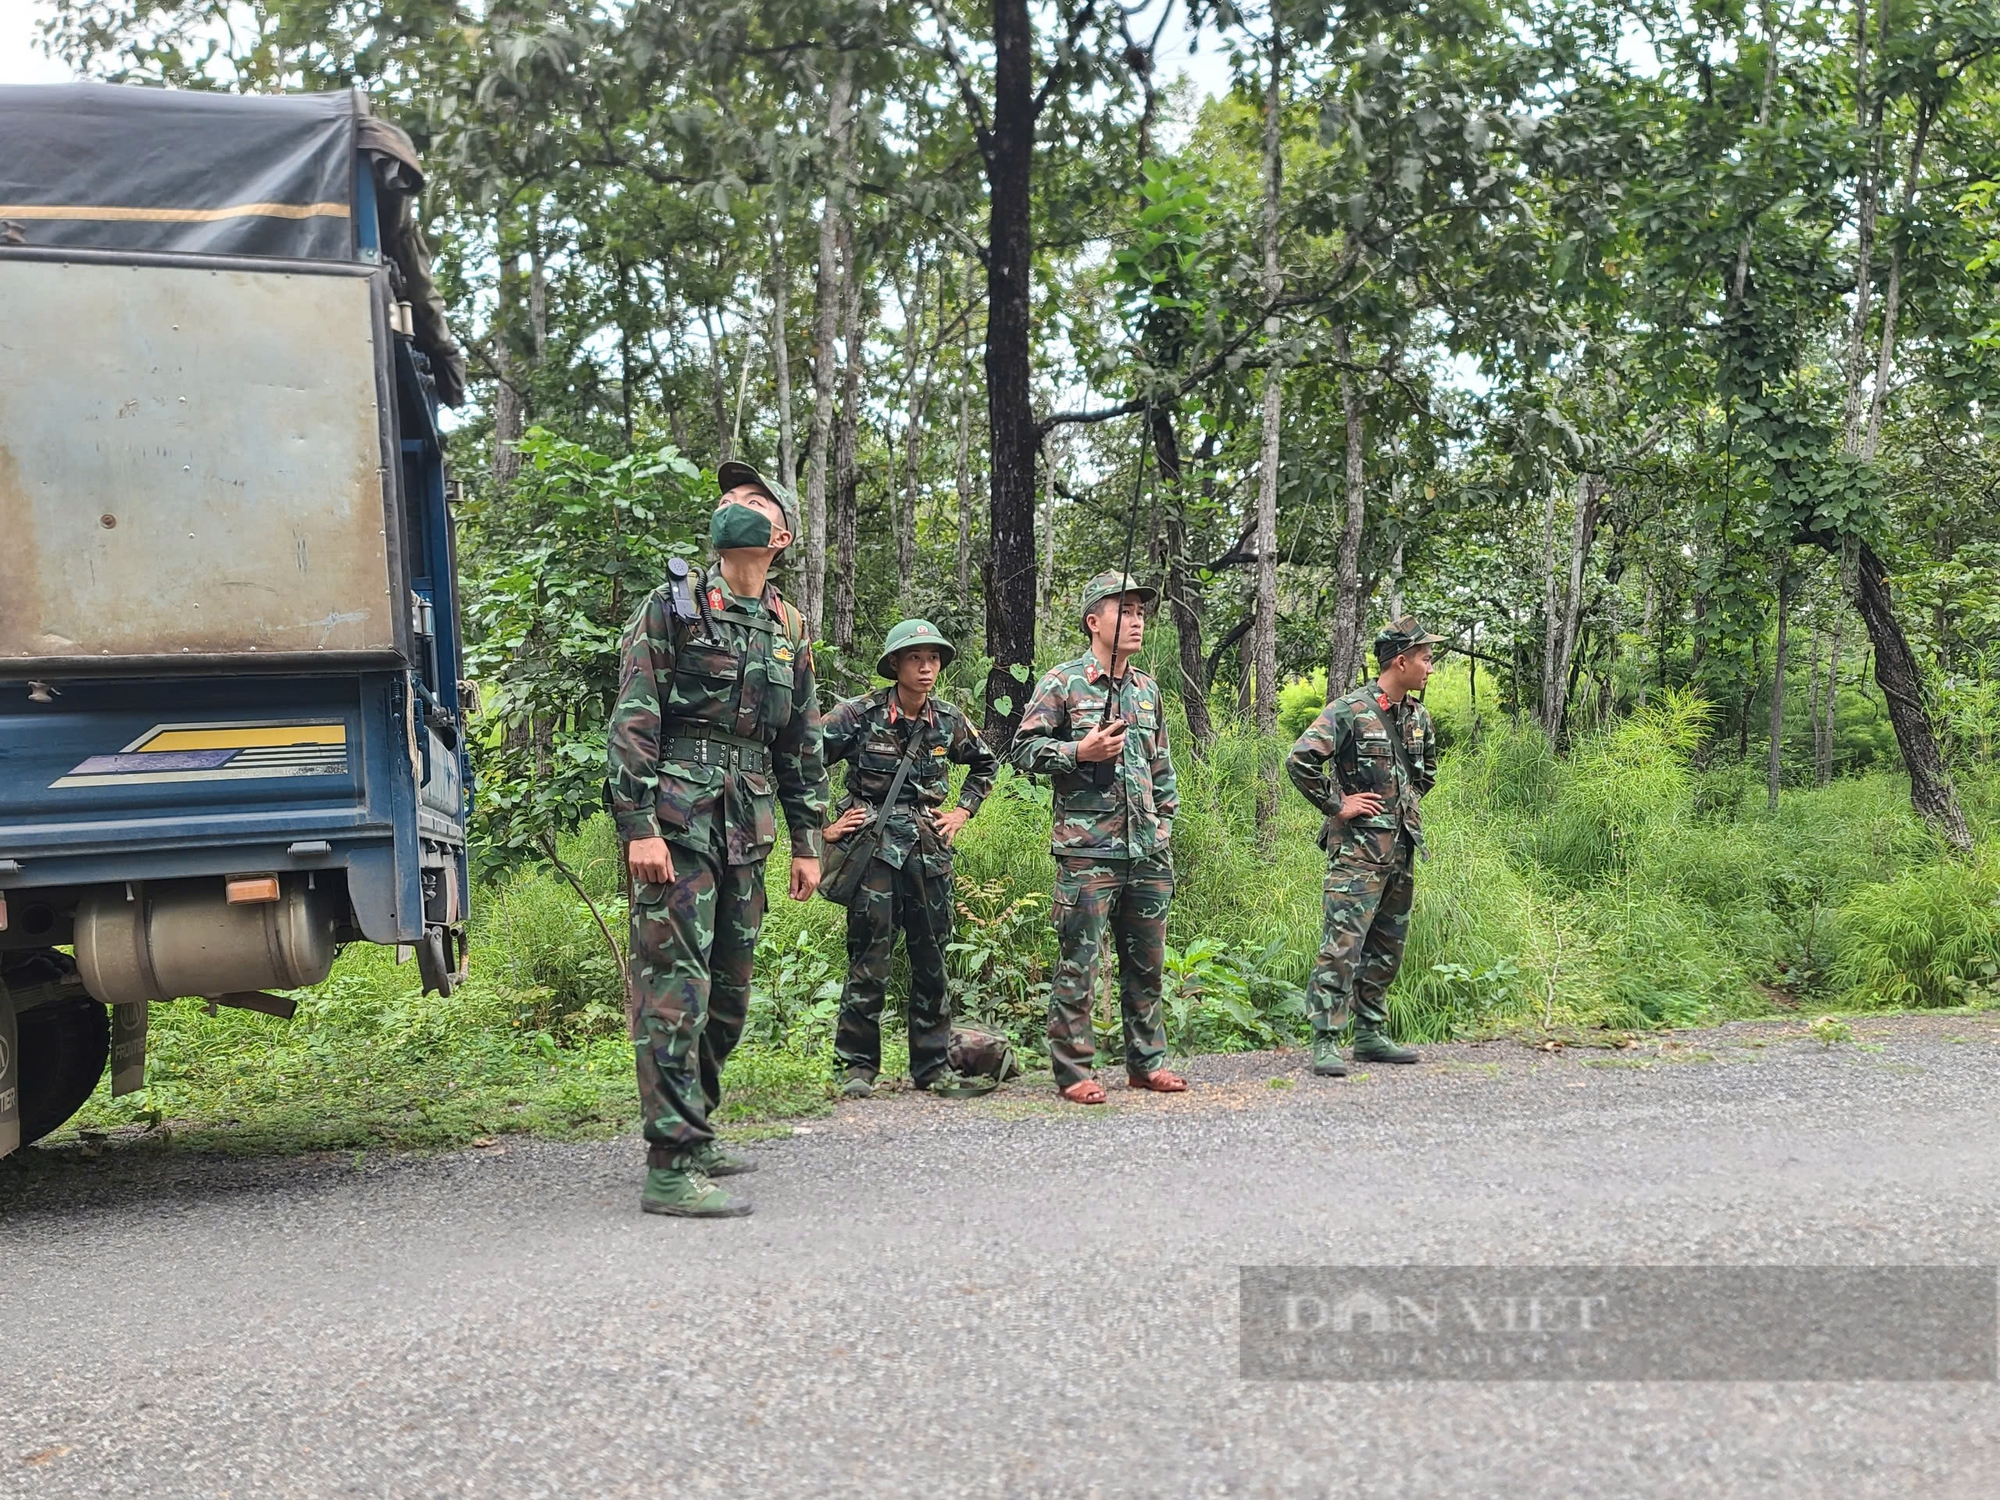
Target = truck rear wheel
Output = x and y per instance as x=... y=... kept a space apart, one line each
x=64 y=1046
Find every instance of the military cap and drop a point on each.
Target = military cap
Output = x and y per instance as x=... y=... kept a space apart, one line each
x=734 y=472
x=1404 y=633
x=908 y=633
x=1110 y=586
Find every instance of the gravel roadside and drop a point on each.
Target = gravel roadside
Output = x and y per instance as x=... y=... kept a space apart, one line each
x=1007 y=1297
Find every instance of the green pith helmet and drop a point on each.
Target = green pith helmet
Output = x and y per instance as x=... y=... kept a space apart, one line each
x=906 y=634
x=735 y=472
x=1110 y=586
x=1404 y=633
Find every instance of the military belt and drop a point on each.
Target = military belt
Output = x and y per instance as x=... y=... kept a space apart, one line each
x=730 y=750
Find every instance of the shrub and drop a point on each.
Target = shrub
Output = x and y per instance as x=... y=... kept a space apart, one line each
x=1929 y=937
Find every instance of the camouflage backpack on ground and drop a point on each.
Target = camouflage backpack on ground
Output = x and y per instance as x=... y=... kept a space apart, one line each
x=982 y=1054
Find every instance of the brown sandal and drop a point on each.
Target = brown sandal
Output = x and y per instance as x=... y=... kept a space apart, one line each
x=1159 y=1081
x=1085 y=1091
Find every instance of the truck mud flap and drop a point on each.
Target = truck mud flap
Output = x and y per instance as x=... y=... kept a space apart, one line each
x=128 y=1048
x=10 y=1077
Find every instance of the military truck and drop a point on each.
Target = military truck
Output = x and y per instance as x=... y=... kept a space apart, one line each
x=231 y=720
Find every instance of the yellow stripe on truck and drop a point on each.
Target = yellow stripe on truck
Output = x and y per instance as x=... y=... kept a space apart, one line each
x=220 y=738
x=113 y=213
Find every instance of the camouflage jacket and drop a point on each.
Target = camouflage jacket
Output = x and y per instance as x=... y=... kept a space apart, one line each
x=1349 y=749
x=1132 y=817
x=717 y=718
x=868 y=731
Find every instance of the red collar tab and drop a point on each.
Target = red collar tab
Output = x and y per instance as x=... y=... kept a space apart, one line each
x=896 y=714
x=1383 y=699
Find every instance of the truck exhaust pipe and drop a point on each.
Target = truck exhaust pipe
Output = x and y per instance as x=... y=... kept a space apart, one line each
x=185 y=937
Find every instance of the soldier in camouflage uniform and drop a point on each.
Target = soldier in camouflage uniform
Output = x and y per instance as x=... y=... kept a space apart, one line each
x=1364 y=763
x=1097 y=726
x=908 y=882
x=717 y=719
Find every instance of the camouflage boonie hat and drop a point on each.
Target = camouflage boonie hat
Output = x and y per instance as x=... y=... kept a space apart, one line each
x=1404 y=633
x=913 y=633
x=1110 y=586
x=735 y=472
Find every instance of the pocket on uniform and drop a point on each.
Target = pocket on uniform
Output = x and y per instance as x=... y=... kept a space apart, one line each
x=684 y=788
x=777 y=704
x=714 y=662
x=1371 y=845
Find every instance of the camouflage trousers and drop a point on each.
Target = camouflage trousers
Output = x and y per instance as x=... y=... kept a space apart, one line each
x=918 y=901
x=1367 y=921
x=693 y=943
x=1130 y=897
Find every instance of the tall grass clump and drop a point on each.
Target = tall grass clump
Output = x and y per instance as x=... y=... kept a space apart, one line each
x=1930 y=937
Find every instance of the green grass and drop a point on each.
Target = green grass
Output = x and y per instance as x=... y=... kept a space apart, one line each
x=1617 y=888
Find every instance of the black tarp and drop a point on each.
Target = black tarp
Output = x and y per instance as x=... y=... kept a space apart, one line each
x=110 y=167
x=114 y=167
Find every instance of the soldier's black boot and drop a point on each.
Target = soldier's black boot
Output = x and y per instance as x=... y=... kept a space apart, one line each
x=1372 y=1044
x=1327 y=1061
x=859 y=1084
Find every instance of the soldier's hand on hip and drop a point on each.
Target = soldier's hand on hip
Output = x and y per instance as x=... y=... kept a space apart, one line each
x=845 y=824
x=1360 y=805
x=949 y=823
x=650 y=860
x=805 y=878
x=1105 y=742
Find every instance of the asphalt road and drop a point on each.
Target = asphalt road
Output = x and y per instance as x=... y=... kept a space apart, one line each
x=1008 y=1298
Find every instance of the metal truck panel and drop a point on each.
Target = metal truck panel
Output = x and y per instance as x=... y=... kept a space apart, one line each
x=176 y=480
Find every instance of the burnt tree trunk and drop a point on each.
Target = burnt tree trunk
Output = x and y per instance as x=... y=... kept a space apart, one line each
x=1012 y=438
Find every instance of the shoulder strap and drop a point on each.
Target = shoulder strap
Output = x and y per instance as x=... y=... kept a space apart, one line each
x=1402 y=751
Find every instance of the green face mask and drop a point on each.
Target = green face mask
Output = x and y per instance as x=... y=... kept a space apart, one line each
x=738 y=526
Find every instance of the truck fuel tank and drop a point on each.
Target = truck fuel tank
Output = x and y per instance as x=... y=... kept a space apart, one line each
x=161 y=940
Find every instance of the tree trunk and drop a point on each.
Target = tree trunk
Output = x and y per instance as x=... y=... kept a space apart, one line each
x=846 y=473
x=1896 y=673
x=742 y=395
x=1264 y=634
x=1183 y=588
x=964 y=478
x=1829 y=707
x=718 y=389
x=1344 y=655
x=826 y=319
x=1011 y=435
x=1045 y=613
x=1866 y=195
x=509 y=408
x=913 y=438
x=1892 y=294
x=1778 y=659
x=1551 y=615
x=1561 y=646
x=781 y=356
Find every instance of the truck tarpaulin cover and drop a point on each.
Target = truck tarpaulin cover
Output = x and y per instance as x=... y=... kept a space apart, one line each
x=112 y=167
